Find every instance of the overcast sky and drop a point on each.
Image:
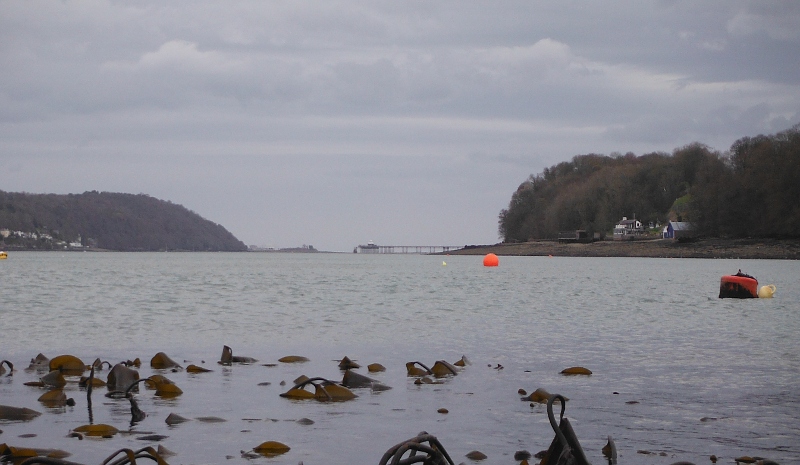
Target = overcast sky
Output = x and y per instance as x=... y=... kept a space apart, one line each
x=332 y=123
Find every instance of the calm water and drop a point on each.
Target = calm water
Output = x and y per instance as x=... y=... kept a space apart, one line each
x=678 y=372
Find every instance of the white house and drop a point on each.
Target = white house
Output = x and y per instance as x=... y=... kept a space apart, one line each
x=628 y=230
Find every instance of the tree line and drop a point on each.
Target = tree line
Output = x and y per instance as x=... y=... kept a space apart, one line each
x=113 y=221
x=753 y=190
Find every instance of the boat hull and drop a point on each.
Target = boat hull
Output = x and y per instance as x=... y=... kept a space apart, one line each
x=738 y=287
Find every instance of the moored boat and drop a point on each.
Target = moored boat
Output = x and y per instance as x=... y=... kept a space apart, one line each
x=3 y=255
x=738 y=286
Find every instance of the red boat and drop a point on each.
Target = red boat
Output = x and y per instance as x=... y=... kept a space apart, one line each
x=738 y=286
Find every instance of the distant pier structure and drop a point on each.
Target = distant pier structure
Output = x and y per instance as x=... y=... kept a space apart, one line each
x=372 y=248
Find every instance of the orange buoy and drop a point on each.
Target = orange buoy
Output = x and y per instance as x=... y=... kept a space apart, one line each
x=491 y=260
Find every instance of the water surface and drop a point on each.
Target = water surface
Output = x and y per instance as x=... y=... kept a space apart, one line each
x=678 y=373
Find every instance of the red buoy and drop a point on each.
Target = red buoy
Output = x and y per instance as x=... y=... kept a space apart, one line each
x=491 y=260
x=738 y=286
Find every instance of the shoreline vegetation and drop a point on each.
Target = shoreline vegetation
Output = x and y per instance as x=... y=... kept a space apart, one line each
x=714 y=248
x=766 y=249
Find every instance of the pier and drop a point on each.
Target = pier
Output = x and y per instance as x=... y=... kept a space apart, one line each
x=404 y=249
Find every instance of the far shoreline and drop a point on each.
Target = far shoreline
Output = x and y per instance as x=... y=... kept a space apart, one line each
x=764 y=249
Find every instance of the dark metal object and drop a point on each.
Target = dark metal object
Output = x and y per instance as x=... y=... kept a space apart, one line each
x=565 y=448
x=434 y=453
x=10 y=367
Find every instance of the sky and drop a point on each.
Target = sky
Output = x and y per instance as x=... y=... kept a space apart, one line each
x=334 y=123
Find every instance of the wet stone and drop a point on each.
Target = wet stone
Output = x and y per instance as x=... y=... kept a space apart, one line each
x=522 y=455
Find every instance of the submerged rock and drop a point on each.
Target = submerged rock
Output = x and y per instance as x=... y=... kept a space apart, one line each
x=8 y=412
x=354 y=380
x=121 y=377
x=271 y=448
x=175 y=419
x=39 y=363
x=293 y=359
x=375 y=368
x=346 y=364
x=68 y=364
x=54 y=398
x=211 y=419
x=576 y=371
x=162 y=361
x=54 y=379
x=197 y=369
x=99 y=430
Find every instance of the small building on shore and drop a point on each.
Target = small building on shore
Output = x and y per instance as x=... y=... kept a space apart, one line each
x=628 y=230
x=677 y=230
x=578 y=235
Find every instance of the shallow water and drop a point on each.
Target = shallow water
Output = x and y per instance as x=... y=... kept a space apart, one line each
x=678 y=372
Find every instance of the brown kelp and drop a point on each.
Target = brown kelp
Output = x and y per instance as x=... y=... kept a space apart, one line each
x=324 y=391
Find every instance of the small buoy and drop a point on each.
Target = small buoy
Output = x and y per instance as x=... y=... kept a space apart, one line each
x=766 y=292
x=491 y=260
x=444 y=263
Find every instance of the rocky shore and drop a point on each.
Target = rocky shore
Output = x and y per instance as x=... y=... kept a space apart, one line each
x=770 y=249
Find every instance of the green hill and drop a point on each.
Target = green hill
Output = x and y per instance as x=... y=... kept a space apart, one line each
x=107 y=220
x=750 y=191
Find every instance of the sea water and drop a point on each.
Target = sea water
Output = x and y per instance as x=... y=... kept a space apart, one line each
x=678 y=374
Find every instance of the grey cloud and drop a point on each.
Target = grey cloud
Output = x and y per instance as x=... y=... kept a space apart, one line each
x=425 y=115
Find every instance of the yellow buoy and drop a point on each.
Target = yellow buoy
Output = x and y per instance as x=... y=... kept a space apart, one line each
x=767 y=291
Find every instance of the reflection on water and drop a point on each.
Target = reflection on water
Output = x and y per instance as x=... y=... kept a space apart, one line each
x=677 y=372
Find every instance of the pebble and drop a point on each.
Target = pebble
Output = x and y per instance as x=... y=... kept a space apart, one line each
x=476 y=455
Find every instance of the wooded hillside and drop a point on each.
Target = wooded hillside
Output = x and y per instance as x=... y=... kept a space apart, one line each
x=106 y=220
x=751 y=191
